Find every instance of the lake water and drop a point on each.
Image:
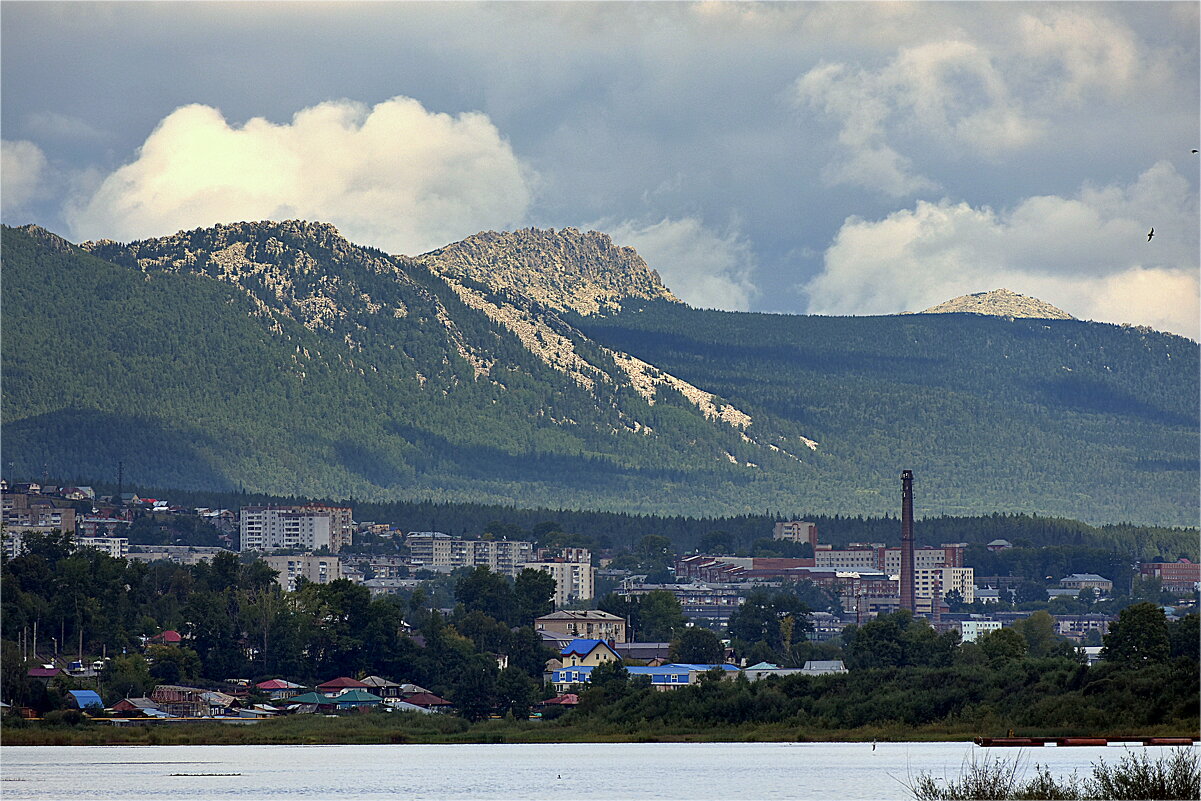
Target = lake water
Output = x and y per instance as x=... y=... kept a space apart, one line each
x=634 y=771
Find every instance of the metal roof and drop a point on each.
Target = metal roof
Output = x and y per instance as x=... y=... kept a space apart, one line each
x=86 y=698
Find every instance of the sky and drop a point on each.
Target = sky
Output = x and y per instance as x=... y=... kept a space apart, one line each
x=823 y=158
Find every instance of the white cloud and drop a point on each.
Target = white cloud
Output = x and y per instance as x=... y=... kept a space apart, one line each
x=950 y=92
x=394 y=176
x=1004 y=85
x=22 y=176
x=702 y=268
x=1087 y=254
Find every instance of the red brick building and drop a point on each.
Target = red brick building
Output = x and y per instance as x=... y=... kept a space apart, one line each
x=1180 y=576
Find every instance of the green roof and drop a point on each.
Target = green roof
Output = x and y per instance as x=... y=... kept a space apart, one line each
x=311 y=698
x=356 y=697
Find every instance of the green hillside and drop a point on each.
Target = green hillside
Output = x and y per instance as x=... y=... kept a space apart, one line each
x=279 y=358
x=1093 y=421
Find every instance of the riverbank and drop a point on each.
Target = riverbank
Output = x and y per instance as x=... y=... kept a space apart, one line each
x=372 y=729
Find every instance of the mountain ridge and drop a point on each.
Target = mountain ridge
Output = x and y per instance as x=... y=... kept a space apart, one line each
x=280 y=357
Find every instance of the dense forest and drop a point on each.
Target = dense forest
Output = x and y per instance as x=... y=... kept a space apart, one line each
x=278 y=358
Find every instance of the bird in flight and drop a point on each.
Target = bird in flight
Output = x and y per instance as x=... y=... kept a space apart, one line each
x=1150 y=234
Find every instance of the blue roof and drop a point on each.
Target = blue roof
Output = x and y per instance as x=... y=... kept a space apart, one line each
x=86 y=698
x=583 y=647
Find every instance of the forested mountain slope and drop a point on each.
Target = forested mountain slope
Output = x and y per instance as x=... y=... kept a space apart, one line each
x=1094 y=421
x=280 y=358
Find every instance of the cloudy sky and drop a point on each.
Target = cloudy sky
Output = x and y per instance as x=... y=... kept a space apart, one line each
x=830 y=158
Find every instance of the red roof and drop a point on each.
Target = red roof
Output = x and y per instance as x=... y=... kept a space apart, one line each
x=567 y=699
x=43 y=673
x=342 y=683
x=277 y=684
x=170 y=635
x=427 y=699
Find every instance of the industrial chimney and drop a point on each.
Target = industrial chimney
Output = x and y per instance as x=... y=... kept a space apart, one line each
x=907 y=599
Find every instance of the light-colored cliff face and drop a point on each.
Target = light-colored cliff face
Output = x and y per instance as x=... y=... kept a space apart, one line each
x=1000 y=303
x=524 y=281
x=564 y=270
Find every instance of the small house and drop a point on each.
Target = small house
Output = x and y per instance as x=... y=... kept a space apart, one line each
x=134 y=705
x=279 y=689
x=341 y=685
x=429 y=701
x=588 y=653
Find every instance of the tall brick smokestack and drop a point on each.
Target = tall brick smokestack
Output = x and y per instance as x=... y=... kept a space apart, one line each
x=907 y=599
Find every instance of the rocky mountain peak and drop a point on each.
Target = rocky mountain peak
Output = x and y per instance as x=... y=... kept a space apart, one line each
x=563 y=270
x=47 y=238
x=1000 y=303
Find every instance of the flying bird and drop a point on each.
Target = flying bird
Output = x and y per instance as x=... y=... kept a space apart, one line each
x=1150 y=234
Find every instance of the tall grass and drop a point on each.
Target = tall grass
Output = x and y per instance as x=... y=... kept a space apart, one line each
x=1134 y=777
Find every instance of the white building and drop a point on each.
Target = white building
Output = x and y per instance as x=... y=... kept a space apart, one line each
x=116 y=547
x=971 y=630
x=433 y=550
x=574 y=581
x=307 y=528
x=317 y=569
x=962 y=579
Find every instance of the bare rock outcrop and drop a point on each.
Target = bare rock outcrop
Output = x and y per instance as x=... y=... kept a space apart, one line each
x=1000 y=303
x=563 y=270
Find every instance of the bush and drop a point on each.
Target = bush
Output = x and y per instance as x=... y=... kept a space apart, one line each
x=65 y=717
x=1135 y=777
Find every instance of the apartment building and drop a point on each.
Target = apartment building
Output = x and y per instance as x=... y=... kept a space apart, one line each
x=317 y=569
x=876 y=556
x=116 y=547
x=796 y=531
x=433 y=550
x=574 y=581
x=25 y=513
x=960 y=579
x=588 y=624
x=309 y=528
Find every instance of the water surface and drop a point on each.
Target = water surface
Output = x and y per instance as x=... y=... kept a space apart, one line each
x=620 y=771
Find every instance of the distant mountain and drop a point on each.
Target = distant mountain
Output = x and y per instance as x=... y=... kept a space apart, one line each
x=553 y=369
x=1000 y=303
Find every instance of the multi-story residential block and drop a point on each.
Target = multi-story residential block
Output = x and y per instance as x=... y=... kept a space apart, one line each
x=574 y=581
x=589 y=624
x=945 y=579
x=309 y=528
x=975 y=627
x=291 y=569
x=1077 y=626
x=796 y=531
x=116 y=547
x=433 y=550
x=875 y=556
x=1181 y=576
x=26 y=513
x=341 y=523
x=706 y=603
x=179 y=554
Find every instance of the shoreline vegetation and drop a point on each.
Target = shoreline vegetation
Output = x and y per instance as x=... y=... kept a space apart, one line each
x=1132 y=777
x=403 y=728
